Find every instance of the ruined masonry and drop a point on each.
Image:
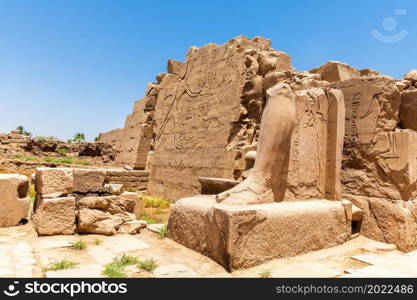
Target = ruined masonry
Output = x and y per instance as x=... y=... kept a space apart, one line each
x=72 y=201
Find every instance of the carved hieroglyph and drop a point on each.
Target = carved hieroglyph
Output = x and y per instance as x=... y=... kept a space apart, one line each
x=207 y=110
x=316 y=146
x=372 y=108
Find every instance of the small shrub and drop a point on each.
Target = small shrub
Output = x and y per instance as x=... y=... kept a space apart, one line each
x=115 y=269
x=155 y=202
x=265 y=274
x=79 y=244
x=149 y=219
x=62 y=151
x=97 y=242
x=125 y=260
x=112 y=271
x=60 y=265
x=147 y=265
x=163 y=231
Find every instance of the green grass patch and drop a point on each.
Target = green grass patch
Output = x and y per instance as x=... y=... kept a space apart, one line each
x=116 y=269
x=156 y=202
x=163 y=231
x=57 y=160
x=149 y=219
x=79 y=244
x=62 y=151
x=60 y=265
x=26 y=157
x=147 y=265
x=97 y=242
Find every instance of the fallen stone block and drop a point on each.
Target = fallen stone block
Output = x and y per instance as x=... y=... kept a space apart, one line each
x=132 y=227
x=54 y=182
x=104 y=215
x=389 y=221
x=243 y=236
x=138 y=209
x=54 y=216
x=14 y=200
x=98 y=222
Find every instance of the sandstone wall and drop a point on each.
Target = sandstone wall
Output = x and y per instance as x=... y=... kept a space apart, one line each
x=207 y=114
x=111 y=137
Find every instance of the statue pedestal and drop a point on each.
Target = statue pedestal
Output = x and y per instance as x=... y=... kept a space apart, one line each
x=243 y=236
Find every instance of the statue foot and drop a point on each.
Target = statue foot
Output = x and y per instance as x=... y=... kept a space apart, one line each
x=248 y=192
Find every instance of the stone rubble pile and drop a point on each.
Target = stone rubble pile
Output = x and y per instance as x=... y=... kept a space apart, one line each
x=73 y=201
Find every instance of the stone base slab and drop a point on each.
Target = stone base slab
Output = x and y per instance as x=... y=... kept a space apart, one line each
x=243 y=236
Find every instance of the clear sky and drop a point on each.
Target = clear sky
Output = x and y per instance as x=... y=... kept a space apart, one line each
x=78 y=65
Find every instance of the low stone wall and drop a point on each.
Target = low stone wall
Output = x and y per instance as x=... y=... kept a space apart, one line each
x=70 y=201
x=132 y=180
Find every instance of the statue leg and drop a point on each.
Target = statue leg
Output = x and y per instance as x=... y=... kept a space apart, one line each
x=277 y=126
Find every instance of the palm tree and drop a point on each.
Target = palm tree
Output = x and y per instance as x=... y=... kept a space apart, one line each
x=79 y=137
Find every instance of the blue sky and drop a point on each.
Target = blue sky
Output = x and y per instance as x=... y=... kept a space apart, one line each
x=77 y=65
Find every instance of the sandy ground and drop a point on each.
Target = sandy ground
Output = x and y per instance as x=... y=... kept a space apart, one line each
x=24 y=254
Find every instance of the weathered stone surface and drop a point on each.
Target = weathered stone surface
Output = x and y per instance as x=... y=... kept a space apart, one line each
x=54 y=182
x=213 y=186
x=135 y=141
x=334 y=71
x=132 y=180
x=104 y=215
x=88 y=180
x=243 y=236
x=112 y=137
x=55 y=216
x=132 y=227
x=114 y=189
x=389 y=221
x=215 y=106
x=372 y=108
x=98 y=221
x=14 y=200
x=316 y=146
x=411 y=76
x=139 y=205
x=408 y=110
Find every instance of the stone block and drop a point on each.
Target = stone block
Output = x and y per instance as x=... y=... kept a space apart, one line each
x=243 y=236
x=389 y=221
x=139 y=205
x=334 y=71
x=54 y=182
x=408 y=110
x=55 y=215
x=14 y=200
x=104 y=215
x=88 y=180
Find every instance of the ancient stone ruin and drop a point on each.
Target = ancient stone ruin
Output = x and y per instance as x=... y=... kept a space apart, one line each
x=261 y=161
x=72 y=201
x=14 y=199
x=350 y=166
